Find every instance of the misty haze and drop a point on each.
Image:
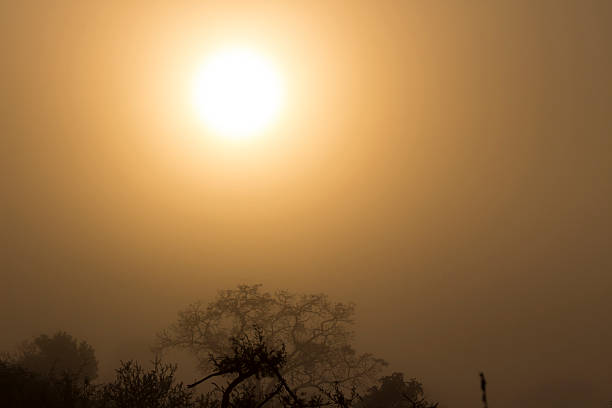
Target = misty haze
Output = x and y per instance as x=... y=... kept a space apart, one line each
x=365 y=204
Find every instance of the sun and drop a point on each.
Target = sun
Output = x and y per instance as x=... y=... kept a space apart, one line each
x=238 y=93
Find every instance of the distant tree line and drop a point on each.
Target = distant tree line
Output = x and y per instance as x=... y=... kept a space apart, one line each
x=256 y=349
x=136 y=387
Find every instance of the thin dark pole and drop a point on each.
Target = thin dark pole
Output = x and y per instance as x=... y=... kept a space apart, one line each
x=483 y=387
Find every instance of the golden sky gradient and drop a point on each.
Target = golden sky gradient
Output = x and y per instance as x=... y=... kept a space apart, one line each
x=446 y=165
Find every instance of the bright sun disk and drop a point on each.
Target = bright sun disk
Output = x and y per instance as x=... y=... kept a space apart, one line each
x=238 y=93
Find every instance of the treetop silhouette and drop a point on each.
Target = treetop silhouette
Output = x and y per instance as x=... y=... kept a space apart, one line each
x=314 y=332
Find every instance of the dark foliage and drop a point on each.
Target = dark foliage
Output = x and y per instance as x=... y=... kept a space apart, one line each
x=59 y=355
x=21 y=388
x=395 y=392
x=250 y=361
x=253 y=359
x=135 y=387
x=318 y=369
x=250 y=358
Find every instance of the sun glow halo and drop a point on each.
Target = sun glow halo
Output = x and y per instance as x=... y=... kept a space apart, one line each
x=238 y=93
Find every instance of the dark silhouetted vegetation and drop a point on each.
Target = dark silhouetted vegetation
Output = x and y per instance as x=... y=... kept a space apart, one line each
x=135 y=387
x=315 y=332
x=21 y=388
x=394 y=391
x=59 y=355
x=253 y=359
x=250 y=358
x=282 y=350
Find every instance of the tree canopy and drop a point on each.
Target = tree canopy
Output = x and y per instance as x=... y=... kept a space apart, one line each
x=395 y=392
x=59 y=355
x=253 y=358
x=315 y=332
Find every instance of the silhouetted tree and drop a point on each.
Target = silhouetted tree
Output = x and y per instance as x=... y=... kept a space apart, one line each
x=250 y=357
x=58 y=356
x=315 y=332
x=395 y=392
x=253 y=358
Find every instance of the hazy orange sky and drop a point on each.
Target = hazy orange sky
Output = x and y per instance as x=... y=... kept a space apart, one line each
x=445 y=165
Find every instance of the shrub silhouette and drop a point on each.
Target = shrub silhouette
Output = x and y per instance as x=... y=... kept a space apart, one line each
x=21 y=388
x=59 y=355
x=396 y=392
x=135 y=387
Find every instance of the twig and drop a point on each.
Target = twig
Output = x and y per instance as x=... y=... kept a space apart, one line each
x=207 y=377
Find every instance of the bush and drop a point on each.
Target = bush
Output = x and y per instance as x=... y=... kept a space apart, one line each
x=135 y=387
x=21 y=388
